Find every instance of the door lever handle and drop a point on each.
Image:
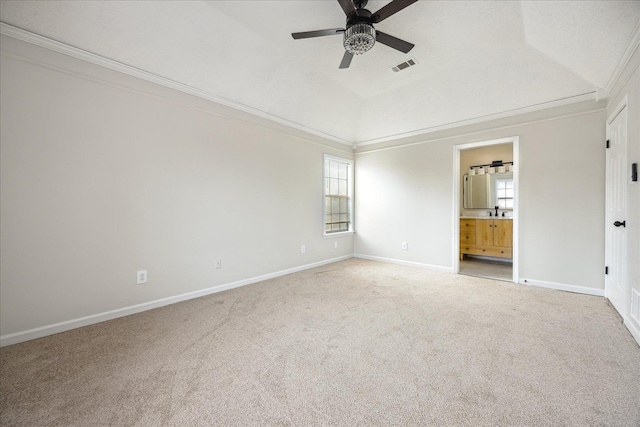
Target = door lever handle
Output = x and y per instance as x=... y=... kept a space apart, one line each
x=618 y=223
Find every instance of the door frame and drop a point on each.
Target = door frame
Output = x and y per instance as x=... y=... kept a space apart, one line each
x=607 y=291
x=515 y=140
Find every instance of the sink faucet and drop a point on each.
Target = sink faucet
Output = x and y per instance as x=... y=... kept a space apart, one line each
x=496 y=210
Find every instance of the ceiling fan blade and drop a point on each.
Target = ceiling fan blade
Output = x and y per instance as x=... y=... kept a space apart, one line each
x=391 y=8
x=318 y=33
x=393 y=42
x=347 y=6
x=346 y=59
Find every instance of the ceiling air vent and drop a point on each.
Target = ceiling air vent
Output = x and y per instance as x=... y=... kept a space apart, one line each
x=404 y=65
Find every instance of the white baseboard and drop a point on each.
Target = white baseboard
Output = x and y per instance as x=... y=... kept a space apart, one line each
x=633 y=328
x=401 y=262
x=68 y=325
x=563 y=287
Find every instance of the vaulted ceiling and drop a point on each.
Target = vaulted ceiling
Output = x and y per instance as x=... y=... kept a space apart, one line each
x=474 y=58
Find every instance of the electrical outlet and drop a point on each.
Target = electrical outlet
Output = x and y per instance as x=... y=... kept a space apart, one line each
x=303 y=249
x=335 y=244
x=141 y=277
x=218 y=264
x=405 y=246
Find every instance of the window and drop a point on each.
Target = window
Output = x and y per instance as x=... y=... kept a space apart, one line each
x=504 y=193
x=338 y=191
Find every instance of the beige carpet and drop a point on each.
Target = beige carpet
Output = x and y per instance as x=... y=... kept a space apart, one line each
x=352 y=343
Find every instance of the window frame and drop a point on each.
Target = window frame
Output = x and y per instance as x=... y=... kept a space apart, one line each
x=497 y=191
x=350 y=175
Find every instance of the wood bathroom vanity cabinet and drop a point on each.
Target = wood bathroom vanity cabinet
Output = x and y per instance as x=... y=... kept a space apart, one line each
x=486 y=236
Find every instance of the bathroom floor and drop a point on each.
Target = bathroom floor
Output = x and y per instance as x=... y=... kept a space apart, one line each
x=491 y=269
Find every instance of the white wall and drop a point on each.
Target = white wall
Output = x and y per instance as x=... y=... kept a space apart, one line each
x=630 y=87
x=405 y=194
x=103 y=174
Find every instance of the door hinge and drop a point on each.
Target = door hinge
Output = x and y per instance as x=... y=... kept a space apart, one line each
x=606 y=270
x=608 y=144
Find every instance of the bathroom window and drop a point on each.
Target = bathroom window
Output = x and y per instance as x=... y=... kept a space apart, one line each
x=504 y=193
x=338 y=199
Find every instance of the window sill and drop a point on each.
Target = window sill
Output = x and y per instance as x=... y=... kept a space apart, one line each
x=340 y=234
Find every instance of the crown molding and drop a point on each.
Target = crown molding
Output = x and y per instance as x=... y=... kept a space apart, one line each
x=518 y=123
x=632 y=45
x=53 y=45
x=590 y=96
x=56 y=46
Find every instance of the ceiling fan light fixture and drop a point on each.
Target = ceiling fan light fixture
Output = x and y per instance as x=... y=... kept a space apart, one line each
x=359 y=38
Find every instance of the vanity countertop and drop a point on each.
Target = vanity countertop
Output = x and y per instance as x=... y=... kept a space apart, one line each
x=485 y=217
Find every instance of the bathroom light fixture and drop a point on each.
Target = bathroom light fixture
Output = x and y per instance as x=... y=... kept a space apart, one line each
x=496 y=166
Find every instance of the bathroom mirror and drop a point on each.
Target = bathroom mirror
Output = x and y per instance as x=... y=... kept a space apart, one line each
x=488 y=190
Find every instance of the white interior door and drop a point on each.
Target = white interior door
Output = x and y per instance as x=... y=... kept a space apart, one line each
x=616 y=212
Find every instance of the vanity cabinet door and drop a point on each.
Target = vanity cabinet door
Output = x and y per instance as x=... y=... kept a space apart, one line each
x=484 y=232
x=503 y=233
x=467 y=232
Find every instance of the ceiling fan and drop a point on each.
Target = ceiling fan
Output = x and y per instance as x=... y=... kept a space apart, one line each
x=360 y=36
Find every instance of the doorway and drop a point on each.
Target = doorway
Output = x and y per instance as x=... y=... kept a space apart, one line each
x=486 y=209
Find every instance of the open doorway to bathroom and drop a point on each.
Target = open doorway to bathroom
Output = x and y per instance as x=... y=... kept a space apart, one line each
x=485 y=237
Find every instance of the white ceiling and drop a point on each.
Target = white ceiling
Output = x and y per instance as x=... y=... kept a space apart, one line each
x=475 y=58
